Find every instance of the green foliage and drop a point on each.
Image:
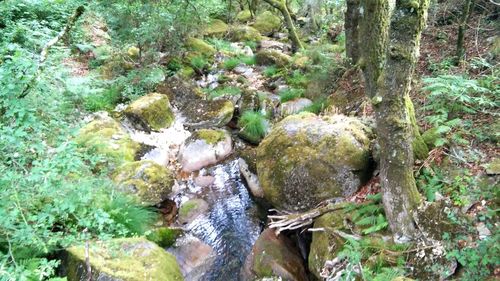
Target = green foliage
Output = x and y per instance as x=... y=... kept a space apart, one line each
x=253 y=124
x=221 y=45
x=450 y=97
x=297 y=79
x=370 y=216
x=252 y=44
x=290 y=94
x=200 y=63
x=317 y=106
x=231 y=63
x=270 y=71
x=248 y=60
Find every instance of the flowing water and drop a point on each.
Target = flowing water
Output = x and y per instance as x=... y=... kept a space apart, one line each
x=231 y=225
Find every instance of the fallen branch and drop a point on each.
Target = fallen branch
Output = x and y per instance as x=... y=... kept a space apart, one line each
x=45 y=50
x=289 y=221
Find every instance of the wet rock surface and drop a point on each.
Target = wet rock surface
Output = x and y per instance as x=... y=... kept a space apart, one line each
x=307 y=159
x=209 y=113
x=150 y=112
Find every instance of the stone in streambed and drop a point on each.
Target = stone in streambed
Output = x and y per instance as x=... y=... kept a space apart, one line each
x=131 y=259
x=105 y=136
x=192 y=209
x=205 y=147
x=149 y=181
x=208 y=113
x=150 y=113
x=274 y=256
x=294 y=106
x=272 y=57
x=195 y=257
x=307 y=159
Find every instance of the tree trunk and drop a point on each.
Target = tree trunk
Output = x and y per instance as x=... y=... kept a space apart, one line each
x=391 y=39
x=462 y=27
x=280 y=5
x=351 y=23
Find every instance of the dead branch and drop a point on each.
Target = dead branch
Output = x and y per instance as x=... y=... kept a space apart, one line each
x=289 y=221
x=45 y=50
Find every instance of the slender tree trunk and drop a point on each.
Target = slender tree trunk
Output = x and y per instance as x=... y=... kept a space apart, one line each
x=281 y=6
x=351 y=27
x=391 y=39
x=462 y=27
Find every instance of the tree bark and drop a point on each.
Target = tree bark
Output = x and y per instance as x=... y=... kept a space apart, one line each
x=281 y=6
x=351 y=27
x=391 y=33
x=462 y=27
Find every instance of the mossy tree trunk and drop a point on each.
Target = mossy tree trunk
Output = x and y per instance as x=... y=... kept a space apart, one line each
x=281 y=6
x=462 y=27
x=351 y=23
x=390 y=33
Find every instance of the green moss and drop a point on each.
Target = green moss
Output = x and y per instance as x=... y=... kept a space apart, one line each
x=105 y=136
x=267 y=23
x=431 y=136
x=325 y=244
x=211 y=136
x=493 y=168
x=244 y=16
x=165 y=236
x=420 y=149
x=216 y=28
x=242 y=33
x=272 y=57
x=131 y=259
x=151 y=112
x=190 y=209
x=187 y=208
x=147 y=180
x=200 y=47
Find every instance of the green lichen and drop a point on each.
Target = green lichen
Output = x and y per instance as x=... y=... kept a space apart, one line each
x=147 y=180
x=151 y=112
x=131 y=259
x=211 y=136
x=420 y=149
x=106 y=137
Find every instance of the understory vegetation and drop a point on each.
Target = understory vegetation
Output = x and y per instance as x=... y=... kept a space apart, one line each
x=56 y=193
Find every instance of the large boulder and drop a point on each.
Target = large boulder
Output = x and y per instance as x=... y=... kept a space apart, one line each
x=194 y=256
x=272 y=57
x=180 y=92
x=192 y=209
x=216 y=28
x=274 y=256
x=242 y=33
x=149 y=181
x=131 y=259
x=307 y=159
x=105 y=136
x=325 y=244
x=200 y=47
x=208 y=113
x=244 y=16
x=205 y=147
x=150 y=112
x=267 y=23
x=294 y=106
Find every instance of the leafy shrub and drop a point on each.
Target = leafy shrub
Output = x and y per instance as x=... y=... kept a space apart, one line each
x=253 y=124
x=297 y=79
x=290 y=94
x=105 y=100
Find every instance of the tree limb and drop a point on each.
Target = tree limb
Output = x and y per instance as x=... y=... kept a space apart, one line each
x=45 y=51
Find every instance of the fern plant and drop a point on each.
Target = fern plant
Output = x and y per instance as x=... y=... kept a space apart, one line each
x=369 y=216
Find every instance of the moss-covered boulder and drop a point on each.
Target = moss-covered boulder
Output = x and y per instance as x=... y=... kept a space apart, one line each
x=274 y=256
x=105 y=136
x=151 y=112
x=493 y=167
x=267 y=23
x=208 y=113
x=325 y=244
x=165 y=236
x=149 y=181
x=216 y=28
x=200 y=47
x=244 y=16
x=294 y=106
x=242 y=33
x=192 y=209
x=131 y=259
x=205 y=147
x=307 y=159
x=180 y=92
x=272 y=57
